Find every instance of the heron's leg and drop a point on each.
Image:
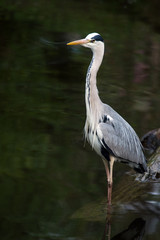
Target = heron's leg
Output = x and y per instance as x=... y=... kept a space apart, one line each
x=108 y=177
x=112 y=159
x=107 y=169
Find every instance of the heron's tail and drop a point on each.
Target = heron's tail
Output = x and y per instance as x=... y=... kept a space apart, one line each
x=140 y=168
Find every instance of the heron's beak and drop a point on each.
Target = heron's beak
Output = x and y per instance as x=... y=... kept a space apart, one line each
x=79 y=42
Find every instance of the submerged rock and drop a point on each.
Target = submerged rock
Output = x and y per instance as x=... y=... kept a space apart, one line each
x=151 y=140
x=153 y=168
x=154 y=165
x=151 y=144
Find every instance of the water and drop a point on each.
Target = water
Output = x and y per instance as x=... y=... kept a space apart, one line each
x=51 y=186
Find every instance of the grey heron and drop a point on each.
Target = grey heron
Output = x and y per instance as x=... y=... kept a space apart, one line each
x=106 y=131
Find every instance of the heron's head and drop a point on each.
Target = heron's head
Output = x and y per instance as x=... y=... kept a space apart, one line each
x=92 y=40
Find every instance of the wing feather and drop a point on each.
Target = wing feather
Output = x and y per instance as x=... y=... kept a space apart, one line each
x=120 y=137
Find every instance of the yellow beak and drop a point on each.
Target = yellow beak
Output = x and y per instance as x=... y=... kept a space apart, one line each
x=79 y=42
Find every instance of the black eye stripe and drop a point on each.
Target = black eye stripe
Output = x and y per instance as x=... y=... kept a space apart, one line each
x=97 y=38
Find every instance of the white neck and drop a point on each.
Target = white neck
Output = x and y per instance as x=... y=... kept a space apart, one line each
x=93 y=101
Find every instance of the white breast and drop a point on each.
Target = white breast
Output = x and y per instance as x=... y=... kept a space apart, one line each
x=93 y=139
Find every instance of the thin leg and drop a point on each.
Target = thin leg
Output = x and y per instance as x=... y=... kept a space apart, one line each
x=112 y=159
x=108 y=179
x=107 y=169
x=109 y=174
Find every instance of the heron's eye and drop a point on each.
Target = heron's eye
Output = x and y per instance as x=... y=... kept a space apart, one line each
x=92 y=40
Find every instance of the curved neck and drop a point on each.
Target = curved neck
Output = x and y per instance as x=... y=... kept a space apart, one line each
x=91 y=92
x=96 y=62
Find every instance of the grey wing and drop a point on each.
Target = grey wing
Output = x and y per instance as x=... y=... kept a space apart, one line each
x=121 y=139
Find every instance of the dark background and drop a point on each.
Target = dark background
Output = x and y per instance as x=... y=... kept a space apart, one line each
x=46 y=174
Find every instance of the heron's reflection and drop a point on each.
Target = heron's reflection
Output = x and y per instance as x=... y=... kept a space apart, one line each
x=135 y=230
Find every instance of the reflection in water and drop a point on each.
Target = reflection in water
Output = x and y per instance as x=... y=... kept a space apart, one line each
x=150 y=211
x=135 y=230
x=107 y=230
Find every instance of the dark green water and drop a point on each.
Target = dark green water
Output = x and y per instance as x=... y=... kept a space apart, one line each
x=51 y=186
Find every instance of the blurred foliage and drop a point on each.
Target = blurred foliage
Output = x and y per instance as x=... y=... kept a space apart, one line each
x=54 y=14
